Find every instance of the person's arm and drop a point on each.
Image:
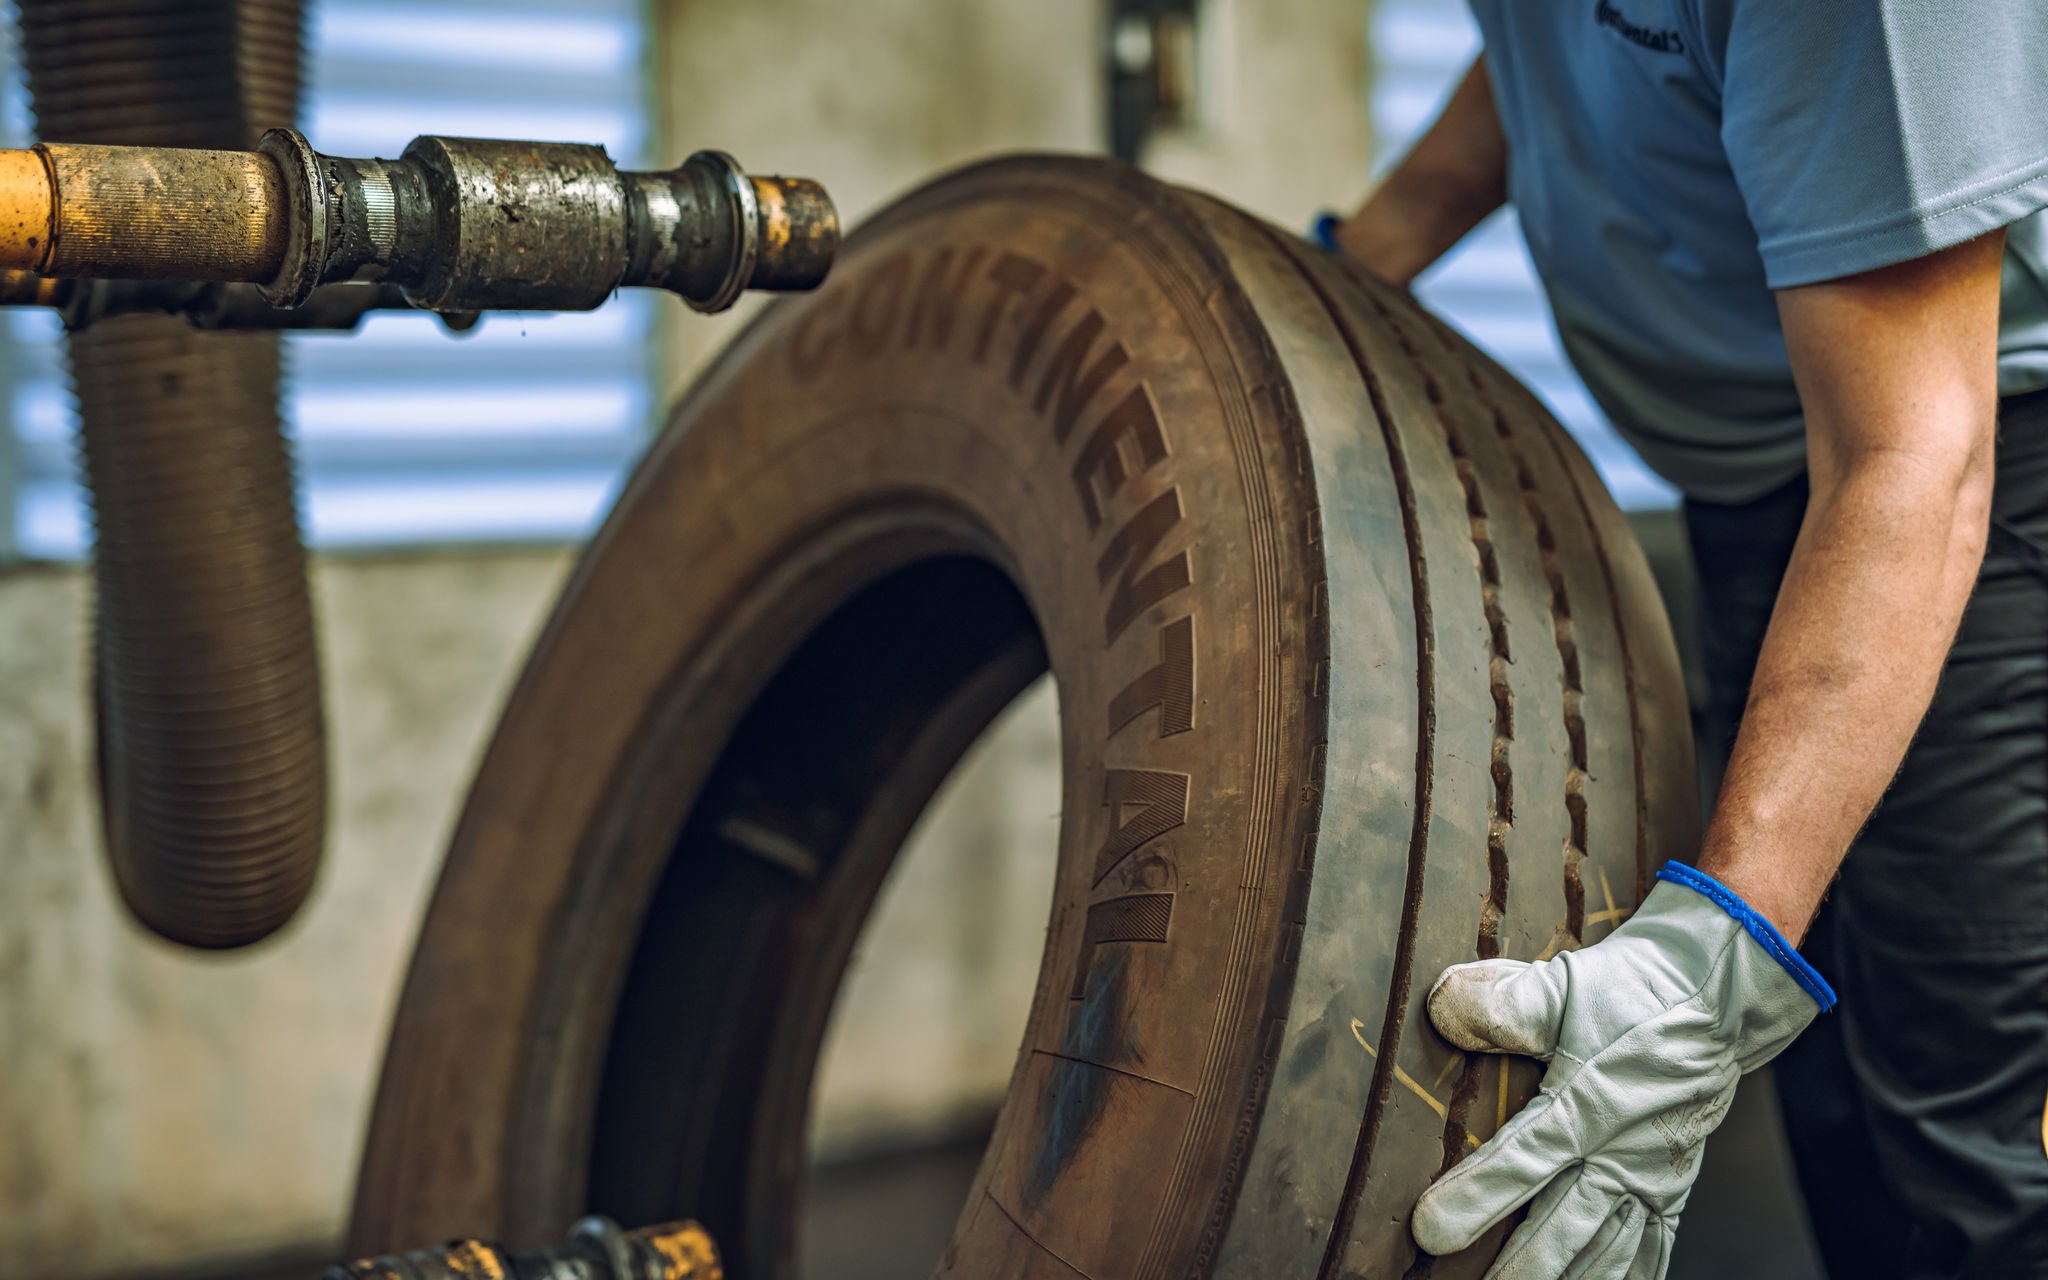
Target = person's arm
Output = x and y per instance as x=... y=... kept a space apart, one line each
x=1897 y=374
x=1456 y=175
x=1648 y=1030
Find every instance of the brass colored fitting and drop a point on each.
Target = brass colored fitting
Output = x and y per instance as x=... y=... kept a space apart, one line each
x=141 y=213
x=596 y=1250
x=28 y=208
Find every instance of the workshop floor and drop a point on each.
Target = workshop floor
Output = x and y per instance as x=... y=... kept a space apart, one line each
x=888 y=1218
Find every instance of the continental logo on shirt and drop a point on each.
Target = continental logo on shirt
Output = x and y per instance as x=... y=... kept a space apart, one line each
x=1606 y=15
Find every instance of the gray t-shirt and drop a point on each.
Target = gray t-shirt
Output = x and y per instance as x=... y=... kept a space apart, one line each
x=1673 y=161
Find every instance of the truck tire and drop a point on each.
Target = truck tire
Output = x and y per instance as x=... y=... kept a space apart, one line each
x=1360 y=674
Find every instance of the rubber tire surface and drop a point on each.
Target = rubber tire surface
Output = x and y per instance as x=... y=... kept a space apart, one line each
x=1360 y=674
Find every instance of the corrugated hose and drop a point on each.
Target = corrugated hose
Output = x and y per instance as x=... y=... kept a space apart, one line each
x=212 y=756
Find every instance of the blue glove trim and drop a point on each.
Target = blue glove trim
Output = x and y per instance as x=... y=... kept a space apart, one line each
x=1323 y=231
x=1757 y=927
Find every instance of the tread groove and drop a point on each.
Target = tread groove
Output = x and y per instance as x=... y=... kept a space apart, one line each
x=1500 y=822
x=1573 y=688
x=1572 y=691
x=1630 y=688
x=1425 y=763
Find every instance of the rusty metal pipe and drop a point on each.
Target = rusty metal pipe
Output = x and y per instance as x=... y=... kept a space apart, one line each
x=75 y=211
x=458 y=224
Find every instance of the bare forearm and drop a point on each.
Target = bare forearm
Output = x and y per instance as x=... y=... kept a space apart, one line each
x=1454 y=178
x=1883 y=568
x=1897 y=375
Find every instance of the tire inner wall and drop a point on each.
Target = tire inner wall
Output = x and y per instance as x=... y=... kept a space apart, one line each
x=925 y=1029
x=727 y=997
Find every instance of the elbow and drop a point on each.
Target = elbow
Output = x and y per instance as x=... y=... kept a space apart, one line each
x=1939 y=486
x=1971 y=492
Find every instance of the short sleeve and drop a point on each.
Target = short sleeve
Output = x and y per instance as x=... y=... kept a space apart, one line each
x=1864 y=133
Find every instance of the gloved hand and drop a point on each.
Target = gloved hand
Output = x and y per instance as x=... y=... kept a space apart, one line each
x=1646 y=1033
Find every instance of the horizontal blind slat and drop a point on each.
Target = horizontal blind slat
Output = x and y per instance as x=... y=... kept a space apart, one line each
x=518 y=431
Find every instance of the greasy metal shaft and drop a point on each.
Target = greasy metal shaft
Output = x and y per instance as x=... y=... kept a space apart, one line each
x=459 y=224
x=596 y=1250
x=143 y=213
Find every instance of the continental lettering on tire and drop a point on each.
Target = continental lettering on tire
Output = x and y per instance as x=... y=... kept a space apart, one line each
x=1135 y=585
x=1134 y=917
x=1144 y=804
x=1080 y=381
x=1170 y=686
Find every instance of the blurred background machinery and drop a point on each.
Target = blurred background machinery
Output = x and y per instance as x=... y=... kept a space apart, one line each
x=177 y=1114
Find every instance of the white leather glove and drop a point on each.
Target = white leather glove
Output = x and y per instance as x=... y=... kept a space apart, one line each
x=1646 y=1033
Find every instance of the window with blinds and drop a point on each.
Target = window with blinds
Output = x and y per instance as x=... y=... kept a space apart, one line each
x=406 y=434
x=1486 y=286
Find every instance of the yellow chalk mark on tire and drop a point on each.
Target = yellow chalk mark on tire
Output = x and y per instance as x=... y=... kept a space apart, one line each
x=1451 y=1065
x=1613 y=915
x=1408 y=1082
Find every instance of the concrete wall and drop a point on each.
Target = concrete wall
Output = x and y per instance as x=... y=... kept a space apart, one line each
x=876 y=97
x=161 y=1108
x=1281 y=124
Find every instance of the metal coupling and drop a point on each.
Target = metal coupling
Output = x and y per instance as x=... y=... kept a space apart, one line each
x=455 y=224
x=596 y=1250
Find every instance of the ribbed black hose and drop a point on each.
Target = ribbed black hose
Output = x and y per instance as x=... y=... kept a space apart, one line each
x=212 y=763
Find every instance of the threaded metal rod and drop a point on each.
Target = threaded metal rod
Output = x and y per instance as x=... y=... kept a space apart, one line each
x=459 y=224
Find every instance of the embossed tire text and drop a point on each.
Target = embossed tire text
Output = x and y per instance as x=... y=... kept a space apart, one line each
x=1360 y=674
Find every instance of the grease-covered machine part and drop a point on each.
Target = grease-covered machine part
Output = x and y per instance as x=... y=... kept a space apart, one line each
x=596 y=1250
x=455 y=225
x=212 y=764
x=1361 y=674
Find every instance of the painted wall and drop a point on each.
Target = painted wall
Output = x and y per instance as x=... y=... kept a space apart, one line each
x=874 y=98
x=160 y=1107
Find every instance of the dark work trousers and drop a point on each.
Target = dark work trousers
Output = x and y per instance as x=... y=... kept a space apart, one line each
x=1918 y=1109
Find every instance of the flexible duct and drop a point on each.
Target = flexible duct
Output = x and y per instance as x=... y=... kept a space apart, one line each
x=212 y=763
